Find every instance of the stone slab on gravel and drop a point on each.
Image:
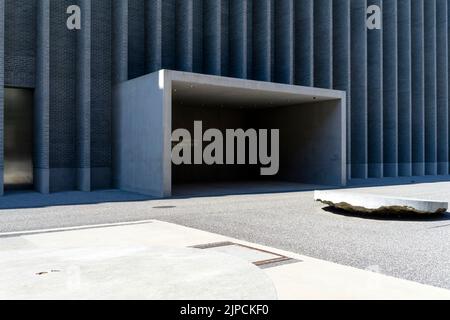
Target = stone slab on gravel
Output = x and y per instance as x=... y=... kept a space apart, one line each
x=369 y=203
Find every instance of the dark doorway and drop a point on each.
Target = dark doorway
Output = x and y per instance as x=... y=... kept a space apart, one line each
x=18 y=139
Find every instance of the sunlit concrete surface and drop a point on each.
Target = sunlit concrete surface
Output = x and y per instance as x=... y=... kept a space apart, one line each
x=411 y=248
x=155 y=260
x=136 y=273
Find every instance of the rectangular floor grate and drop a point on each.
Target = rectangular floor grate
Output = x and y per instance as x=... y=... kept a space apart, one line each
x=261 y=258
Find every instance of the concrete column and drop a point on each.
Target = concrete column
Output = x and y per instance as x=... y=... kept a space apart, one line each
x=185 y=35
x=342 y=61
x=375 y=98
x=2 y=91
x=304 y=42
x=240 y=11
x=323 y=44
x=84 y=98
x=359 y=89
x=120 y=41
x=153 y=35
x=418 y=87
x=42 y=99
x=215 y=37
x=404 y=89
x=263 y=14
x=430 y=88
x=284 y=41
x=442 y=87
x=390 y=88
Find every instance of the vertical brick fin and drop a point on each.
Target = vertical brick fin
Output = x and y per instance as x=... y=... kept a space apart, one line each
x=375 y=98
x=153 y=35
x=359 y=89
x=262 y=40
x=342 y=61
x=284 y=41
x=101 y=95
x=240 y=22
x=225 y=38
x=390 y=88
x=184 y=35
x=430 y=88
x=442 y=86
x=168 y=25
x=84 y=98
x=2 y=90
x=120 y=41
x=323 y=44
x=404 y=88
x=418 y=87
x=197 y=63
x=42 y=99
x=119 y=70
x=304 y=42
x=212 y=37
x=63 y=99
x=137 y=38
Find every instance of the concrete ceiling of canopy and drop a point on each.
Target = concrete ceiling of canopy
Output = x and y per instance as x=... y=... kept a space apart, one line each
x=210 y=91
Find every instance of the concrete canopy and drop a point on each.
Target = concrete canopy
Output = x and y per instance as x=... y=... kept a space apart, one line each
x=312 y=125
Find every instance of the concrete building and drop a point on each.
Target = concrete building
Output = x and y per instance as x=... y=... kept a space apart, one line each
x=59 y=88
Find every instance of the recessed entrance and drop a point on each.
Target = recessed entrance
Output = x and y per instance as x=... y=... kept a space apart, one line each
x=18 y=152
x=309 y=143
x=311 y=124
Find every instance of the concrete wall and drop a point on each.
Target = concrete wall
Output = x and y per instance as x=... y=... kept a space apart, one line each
x=311 y=148
x=216 y=118
x=313 y=143
x=143 y=107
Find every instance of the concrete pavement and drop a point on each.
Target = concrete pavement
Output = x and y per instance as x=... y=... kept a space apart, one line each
x=155 y=260
x=409 y=248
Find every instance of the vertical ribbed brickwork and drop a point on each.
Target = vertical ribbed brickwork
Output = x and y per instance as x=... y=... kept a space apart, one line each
x=442 y=139
x=430 y=88
x=375 y=98
x=2 y=88
x=42 y=98
x=396 y=78
x=404 y=88
x=83 y=98
x=359 y=124
x=418 y=87
x=342 y=60
x=390 y=89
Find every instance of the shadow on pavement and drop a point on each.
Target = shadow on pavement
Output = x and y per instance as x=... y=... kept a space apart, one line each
x=390 y=217
x=30 y=199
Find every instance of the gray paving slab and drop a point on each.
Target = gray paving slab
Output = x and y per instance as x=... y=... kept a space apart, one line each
x=131 y=273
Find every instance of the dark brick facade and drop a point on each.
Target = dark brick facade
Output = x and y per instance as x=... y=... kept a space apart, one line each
x=398 y=123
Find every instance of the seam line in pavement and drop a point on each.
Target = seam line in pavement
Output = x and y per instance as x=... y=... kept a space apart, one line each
x=56 y=230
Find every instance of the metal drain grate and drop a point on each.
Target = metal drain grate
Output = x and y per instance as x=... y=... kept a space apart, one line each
x=260 y=258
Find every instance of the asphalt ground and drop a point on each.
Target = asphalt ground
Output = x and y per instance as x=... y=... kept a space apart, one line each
x=416 y=249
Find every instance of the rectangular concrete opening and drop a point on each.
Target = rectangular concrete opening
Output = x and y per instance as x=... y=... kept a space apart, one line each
x=309 y=144
x=18 y=152
x=312 y=124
